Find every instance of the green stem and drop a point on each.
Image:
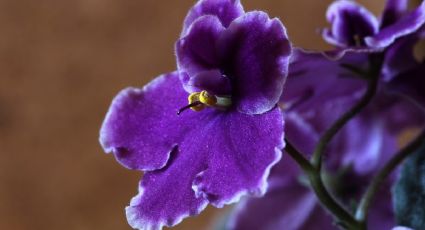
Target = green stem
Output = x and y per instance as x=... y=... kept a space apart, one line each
x=344 y=218
x=298 y=157
x=340 y=123
x=362 y=210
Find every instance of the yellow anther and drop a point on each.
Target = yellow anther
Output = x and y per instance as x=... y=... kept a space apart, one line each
x=207 y=98
x=193 y=98
x=200 y=100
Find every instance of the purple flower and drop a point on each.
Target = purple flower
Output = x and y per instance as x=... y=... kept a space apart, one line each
x=231 y=69
x=318 y=92
x=354 y=28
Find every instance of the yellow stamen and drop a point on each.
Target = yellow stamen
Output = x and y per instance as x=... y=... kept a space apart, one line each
x=194 y=97
x=198 y=101
x=207 y=98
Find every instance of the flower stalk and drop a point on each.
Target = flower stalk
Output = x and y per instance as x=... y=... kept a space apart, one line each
x=344 y=218
x=342 y=121
x=313 y=168
x=396 y=160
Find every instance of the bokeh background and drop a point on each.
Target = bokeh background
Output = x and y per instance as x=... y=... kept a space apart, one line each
x=61 y=63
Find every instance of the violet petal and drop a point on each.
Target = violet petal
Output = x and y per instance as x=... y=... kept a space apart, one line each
x=394 y=9
x=406 y=25
x=225 y=10
x=213 y=81
x=257 y=51
x=141 y=127
x=197 y=51
x=351 y=22
x=241 y=149
x=230 y=155
x=211 y=156
x=165 y=196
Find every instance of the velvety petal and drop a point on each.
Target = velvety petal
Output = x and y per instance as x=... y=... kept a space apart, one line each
x=406 y=25
x=165 y=196
x=212 y=81
x=351 y=22
x=141 y=127
x=241 y=153
x=394 y=9
x=225 y=10
x=197 y=51
x=288 y=205
x=216 y=156
x=224 y=156
x=257 y=51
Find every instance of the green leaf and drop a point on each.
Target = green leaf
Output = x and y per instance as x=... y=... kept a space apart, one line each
x=409 y=192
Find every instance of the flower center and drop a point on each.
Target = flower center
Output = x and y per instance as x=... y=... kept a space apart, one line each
x=198 y=101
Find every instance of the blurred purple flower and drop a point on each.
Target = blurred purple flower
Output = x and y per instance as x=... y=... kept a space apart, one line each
x=231 y=66
x=318 y=92
x=290 y=203
x=354 y=28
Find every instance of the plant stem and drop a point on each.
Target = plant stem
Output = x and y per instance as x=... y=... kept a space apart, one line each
x=362 y=210
x=344 y=119
x=298 y=157
x=344 y=218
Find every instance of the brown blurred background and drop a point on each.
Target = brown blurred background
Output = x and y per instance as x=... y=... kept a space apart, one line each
x=61 y=63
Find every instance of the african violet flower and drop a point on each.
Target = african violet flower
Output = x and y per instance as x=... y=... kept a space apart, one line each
x=392 y=40
x=354 y=28
x=318 y=92
x=231 y=68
